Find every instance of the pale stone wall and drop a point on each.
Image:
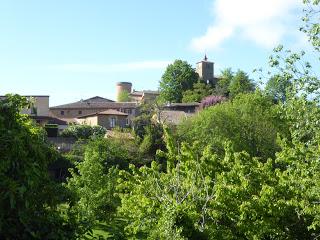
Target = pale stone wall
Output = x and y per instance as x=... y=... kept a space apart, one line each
x=40 y=106
x=90 y=120
x=205 y=70
x=105 y=120
x=123 y=86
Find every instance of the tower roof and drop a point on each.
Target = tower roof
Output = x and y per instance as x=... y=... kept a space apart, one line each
x=205 y=59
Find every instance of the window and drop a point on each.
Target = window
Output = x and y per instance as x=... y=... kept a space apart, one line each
x=79 y=112
x=33 y=110
x=61 y=112
x=127 y=121
x=112 y=122
x=129 y=111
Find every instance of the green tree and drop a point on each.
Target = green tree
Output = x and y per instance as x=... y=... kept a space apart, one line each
x=311 y=22
x=271 y=193
x=240 y=83
x=277 y=87
x=146 y=111
x=250 y=122
x=222 y=86
x=167 y=204
x=29 y=197
x=177 y=78
x=197 y=93
x=124 y=96
x=152 y=140
x=204 y=196
x=94 y=182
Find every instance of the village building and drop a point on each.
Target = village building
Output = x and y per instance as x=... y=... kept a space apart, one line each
x=205 y=69
x=74 y=112
x=136 y=96
x=38 y=110
x=108 y=119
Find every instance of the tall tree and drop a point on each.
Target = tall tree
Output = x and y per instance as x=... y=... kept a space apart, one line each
x=28 y=196
x=177 y=78
x=240 y=83
x=222 y=86
x=250 y=122
x=277 y=87
x=197 y=93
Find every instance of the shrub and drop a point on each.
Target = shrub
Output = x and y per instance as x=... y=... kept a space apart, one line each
x=83 y=131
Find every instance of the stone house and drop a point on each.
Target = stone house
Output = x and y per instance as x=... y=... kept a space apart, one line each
x=74 y=112
x=108 y=119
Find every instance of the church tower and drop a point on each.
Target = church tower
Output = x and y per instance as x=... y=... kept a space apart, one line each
x=205 y=69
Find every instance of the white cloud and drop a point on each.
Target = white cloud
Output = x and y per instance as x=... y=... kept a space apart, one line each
x=119 y=67
x=264 y=22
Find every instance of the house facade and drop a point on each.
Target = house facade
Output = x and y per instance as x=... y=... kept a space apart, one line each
x=73 y=112
x=144 y=96
x=108 y=119
x=39 y=105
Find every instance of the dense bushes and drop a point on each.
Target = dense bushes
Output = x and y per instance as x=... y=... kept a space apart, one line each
x=28 y=198
x=250 y=122
x=83 y=131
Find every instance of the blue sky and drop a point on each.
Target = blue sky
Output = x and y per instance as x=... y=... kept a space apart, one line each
x=76 y=49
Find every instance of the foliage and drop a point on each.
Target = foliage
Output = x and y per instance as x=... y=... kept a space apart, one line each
x=240 y=83
x=311 y=22
x=211 y=101
x=251 y=122
x=222 y=86
x=256 y=200
x=197 y=93
x=123 y=96
x=277 y=87
x=152 y=140
x=94 y=180
x=203 y=196
x=166 y=205
x=146 y=111
x=29 y=198
x=83 y=131
x=292 y=67
x=177 y=78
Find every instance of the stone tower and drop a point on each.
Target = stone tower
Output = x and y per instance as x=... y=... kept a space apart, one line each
x=205 y=69
x=123 y=86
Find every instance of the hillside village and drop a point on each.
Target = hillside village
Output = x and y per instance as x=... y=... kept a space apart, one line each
x=200 y=158
x=110 y=114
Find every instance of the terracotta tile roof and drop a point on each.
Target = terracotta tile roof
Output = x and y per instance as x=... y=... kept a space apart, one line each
x=140 y=93
x=98 y=99
x=107 y=112
x=87 y=104
x=112 y=112
x=51 y=120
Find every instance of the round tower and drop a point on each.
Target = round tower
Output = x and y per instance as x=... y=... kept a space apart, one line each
x=123 y=86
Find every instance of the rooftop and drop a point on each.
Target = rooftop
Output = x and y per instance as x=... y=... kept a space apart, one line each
x=183 y=104
x=173 y=117
x=96 y=102
x=107 y=112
